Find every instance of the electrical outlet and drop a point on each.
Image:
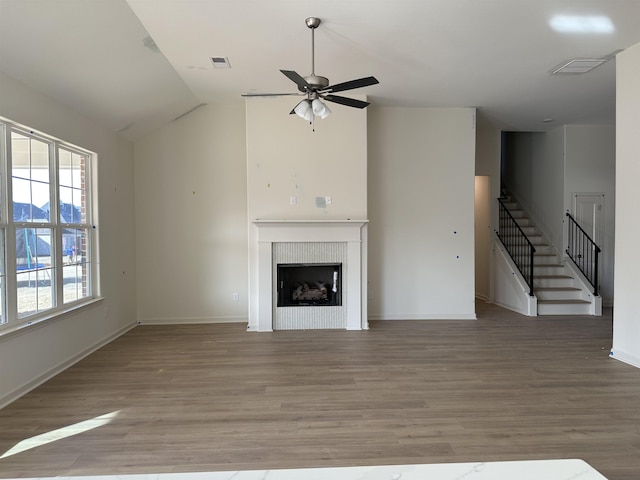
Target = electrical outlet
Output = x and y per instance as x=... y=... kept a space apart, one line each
x=236 y=297
x=327 y=200
x=293 y=200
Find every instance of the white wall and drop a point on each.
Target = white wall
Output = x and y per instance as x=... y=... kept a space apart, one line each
x=422 y=191
x=36 y=353
x=421 y=212
x=483 y=237
x=488 y=145
x=285 y=158
x=191 y=211
x=536 y=178
x=590 y=167
x=548 y=178
x=518 y=166
x=626 y=310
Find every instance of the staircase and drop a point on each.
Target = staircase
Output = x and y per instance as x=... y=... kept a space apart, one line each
x=556 y=286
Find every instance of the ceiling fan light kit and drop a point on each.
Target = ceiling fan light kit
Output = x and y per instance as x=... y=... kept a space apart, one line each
x=320 y=109
x=317 y=88
x=304 y=110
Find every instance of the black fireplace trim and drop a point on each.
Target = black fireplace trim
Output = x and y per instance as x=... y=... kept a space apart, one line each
x=287 y=281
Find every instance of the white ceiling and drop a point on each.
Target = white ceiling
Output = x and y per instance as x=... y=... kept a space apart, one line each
x=492 y=54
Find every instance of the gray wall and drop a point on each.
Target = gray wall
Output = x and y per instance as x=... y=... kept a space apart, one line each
x=36 y=353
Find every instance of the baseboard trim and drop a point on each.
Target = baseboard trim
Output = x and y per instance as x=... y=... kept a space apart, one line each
x=52 y=372
x=483 y=298
x=624 y=357
x=411 y=316
x=191 y=320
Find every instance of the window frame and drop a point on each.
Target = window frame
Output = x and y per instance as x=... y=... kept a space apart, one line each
x=11 y=319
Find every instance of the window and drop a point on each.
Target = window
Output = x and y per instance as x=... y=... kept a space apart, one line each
x=47 y=239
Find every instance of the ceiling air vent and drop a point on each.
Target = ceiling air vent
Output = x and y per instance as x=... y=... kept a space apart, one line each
x=220 y=62
x=578 y=66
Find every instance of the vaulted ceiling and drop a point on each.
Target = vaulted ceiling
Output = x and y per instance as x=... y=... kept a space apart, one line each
x=135 y=65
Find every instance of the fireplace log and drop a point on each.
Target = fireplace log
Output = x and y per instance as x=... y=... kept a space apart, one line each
x=306 y=293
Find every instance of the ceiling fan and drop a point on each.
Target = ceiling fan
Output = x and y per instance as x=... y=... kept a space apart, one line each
x=316 y=87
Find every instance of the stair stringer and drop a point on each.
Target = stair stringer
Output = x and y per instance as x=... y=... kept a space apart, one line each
x=510 y=289
x=580 y=281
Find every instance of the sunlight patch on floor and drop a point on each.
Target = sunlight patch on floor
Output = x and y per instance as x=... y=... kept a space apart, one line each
x=60 y=433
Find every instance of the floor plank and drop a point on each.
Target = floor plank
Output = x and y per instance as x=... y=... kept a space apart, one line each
x=214 y=397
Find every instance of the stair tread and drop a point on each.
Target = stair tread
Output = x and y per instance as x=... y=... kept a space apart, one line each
x=568 y=289
x=552 y=277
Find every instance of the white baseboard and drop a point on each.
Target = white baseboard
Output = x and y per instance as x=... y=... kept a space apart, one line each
x=411 y=316
x=483 y=298
x=191 y=320
x=52 y=372
x=632 y=360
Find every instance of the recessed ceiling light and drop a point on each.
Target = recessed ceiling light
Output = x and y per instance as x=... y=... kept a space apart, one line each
x=581 y=24
x=547 y=120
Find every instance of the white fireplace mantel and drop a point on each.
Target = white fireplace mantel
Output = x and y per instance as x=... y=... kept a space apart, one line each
x=264 y=233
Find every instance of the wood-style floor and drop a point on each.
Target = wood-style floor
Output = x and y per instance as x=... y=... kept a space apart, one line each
x=214 y=397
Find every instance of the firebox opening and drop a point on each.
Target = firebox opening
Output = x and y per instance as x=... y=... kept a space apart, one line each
x=309 y=284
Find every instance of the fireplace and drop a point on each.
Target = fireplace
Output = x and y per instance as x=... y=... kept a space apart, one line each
x=339 y=247
x=309 y=284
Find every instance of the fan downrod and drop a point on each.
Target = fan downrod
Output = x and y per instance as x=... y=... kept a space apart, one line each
x=316 y=82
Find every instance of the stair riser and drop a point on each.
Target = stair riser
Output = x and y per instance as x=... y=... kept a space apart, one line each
x=558 y=295
x=548 y=270
x=560 y=282
x=544 y=260
x=535 y=239
x=524 y=222
x=567 y=309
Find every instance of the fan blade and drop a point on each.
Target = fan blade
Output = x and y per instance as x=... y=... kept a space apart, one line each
x=359 y=83
x=302 y=84
x=270 y=94
x=349 y=102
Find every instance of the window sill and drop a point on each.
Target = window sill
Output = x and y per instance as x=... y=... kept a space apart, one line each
x=15 y=330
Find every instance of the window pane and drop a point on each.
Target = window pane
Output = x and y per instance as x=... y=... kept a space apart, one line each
x=71 y=205
x=22 y=200
x=34 y=272
x=21 y=155
x=76 y=270
x=72 y=185
x=35 y=291
x=30 y=172
x=64 y=165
